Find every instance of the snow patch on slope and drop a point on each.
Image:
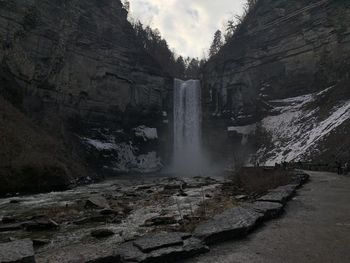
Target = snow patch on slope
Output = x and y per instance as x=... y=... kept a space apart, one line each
x=126 y=158
x=296 y=129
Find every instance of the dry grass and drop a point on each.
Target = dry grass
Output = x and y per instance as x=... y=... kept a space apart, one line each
x=251 y=182
x=257 y=180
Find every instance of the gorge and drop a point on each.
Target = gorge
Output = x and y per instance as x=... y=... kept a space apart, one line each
x=76 y=72
x=115 y=149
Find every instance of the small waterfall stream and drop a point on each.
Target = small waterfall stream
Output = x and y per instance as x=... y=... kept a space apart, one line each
x=187 y=127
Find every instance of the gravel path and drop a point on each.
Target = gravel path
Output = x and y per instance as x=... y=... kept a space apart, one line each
x=315 y=228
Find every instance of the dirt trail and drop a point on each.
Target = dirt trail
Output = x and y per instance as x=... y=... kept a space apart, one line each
x=315 y=228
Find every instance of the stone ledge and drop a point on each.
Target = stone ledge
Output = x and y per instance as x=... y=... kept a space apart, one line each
x=269 y=209
x=172 y=250
x=233 y=223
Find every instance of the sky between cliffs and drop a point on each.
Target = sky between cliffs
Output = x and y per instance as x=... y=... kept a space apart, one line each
x=187 y=25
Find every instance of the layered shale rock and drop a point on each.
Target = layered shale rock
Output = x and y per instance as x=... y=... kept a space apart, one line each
x=76 y=67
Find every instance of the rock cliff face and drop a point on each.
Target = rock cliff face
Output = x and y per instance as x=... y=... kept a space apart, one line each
x=77 y=67
x=283 y=49
x=30 y=159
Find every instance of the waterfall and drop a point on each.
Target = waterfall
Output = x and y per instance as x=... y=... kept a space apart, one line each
x=187 y=127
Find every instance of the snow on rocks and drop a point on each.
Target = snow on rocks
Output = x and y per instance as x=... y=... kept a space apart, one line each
x=146 y=133
x=295 y=128
x=245 y=130
x=125 y=154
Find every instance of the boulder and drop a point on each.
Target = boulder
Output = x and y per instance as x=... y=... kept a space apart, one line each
x=233 y=223
x=20 y=251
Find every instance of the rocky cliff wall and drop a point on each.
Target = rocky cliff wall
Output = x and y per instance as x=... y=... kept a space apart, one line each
x=283 y=49
x=77 y=68
x=78 y=56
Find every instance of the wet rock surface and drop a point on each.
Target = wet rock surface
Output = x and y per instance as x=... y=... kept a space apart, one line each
x=233 y=223
x=20 y=251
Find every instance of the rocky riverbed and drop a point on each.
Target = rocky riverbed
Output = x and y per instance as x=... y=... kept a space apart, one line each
x=114 y=211
x=137 y=219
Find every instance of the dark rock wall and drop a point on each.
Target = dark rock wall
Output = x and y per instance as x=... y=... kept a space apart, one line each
x=76 y=57
x=76 y=66
x=283 y=49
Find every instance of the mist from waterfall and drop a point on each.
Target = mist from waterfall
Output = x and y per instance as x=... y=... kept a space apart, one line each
x=188 y=156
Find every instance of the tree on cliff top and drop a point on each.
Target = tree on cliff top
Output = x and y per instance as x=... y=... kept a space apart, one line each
x=217 y=44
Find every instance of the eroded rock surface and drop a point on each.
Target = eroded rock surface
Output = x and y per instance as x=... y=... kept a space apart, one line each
x=233 y=223
x=20 y=251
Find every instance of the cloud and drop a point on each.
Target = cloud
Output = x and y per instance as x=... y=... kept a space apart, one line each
x=188 y=26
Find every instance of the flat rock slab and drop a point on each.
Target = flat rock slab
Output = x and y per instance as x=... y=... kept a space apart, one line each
x=278 y=195
x=269 y=209
x=190 y=247
x=20 y=251
x=233 y=223
x=82 y=253
x=157 y=241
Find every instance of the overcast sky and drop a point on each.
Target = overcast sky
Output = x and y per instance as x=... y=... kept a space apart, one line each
x=187 y=25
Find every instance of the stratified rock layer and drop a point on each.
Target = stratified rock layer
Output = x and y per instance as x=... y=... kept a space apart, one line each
x=78 y=69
